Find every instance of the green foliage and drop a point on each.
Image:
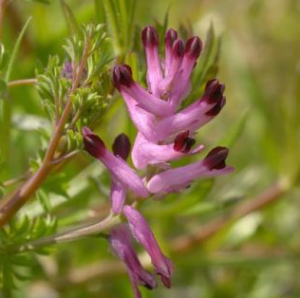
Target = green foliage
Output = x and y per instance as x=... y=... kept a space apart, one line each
x=15 y=267
x=119 y=18
x=13 y=56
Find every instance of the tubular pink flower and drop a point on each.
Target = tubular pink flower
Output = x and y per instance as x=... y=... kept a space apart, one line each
x=170 y=37
x=118 y=168
x=120 y=241
x=195 y=115
x=143 y=120
x=154 y=73
x=147 y=153
x=181 y=81
x=176 y=179
x=143 y=234
x=176 y=58
x=122 y=78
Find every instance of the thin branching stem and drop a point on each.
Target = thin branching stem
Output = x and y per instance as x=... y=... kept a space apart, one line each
x=2 y=6
x=67 y=236
x=24 y=82
x=203 y=233
x=18 y=198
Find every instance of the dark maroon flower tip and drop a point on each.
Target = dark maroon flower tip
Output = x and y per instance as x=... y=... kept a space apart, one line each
x=122 y=75
x=215 y=159
x=217 y=108
x=149 y=36
x=214 y=91
x=183 y=143
x=121 y=146
x=178 y=48
x=92 y=143
x=170 y=37
x=166 y=281
x=193 y=47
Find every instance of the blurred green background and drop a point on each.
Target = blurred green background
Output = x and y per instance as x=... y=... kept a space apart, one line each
x=254 y=256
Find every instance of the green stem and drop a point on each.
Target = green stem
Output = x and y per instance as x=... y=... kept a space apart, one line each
x=71 y=235
x=24 y=82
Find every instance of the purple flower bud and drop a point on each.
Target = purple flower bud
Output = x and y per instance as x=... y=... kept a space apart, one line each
x=143 y=234
x=170 y=37
x=178 y=48
x=149 y=36
x=215 y=159
x=121 y=172
x=154 y=73
x=122 y=75
x=213 y=91
x=193 y=47
x=67 y=70
x=121 y=146
x=217 y=108
x=92 y=143
x=183 y=143
x=120 y=241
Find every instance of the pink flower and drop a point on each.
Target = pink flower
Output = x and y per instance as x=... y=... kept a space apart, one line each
x=147 y=153
x=119 y=169
x=176 y=179
x=120 y=240
x=143 y=234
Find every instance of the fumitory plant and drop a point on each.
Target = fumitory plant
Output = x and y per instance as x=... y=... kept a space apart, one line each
x=107 y=157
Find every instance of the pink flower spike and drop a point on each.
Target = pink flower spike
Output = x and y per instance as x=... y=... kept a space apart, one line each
x=120 y=240
x=154 y=73
x=176 y=179
x=147 y=153
x=119 y=169
x=170 y=38
x=143 y=234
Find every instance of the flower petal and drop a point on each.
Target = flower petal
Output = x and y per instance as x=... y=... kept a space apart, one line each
x=121 y=146
x=143 y=234
x=117 y=197
x=154 y=73
x=147 y=153
x=122 y=78
x=120 y=241
x=176 y=179
x=170 y=37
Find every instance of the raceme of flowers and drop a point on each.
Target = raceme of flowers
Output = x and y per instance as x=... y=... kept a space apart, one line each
x=165 y=133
